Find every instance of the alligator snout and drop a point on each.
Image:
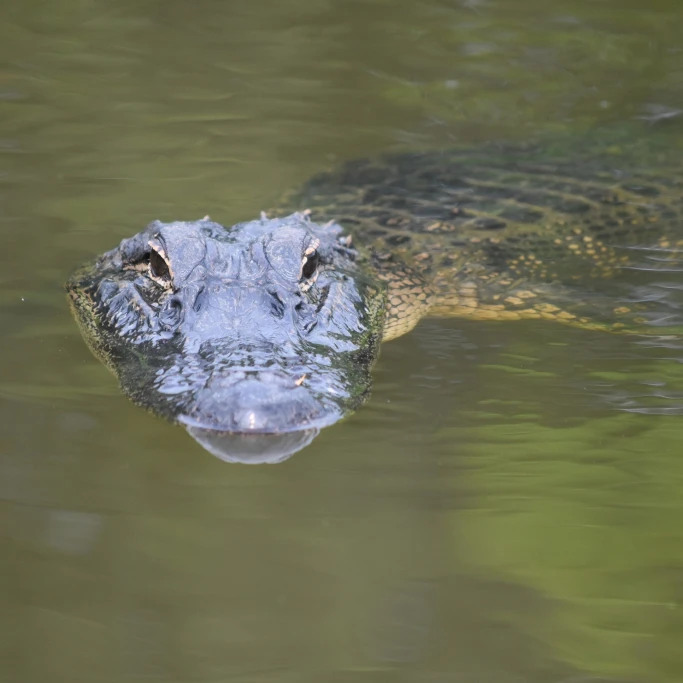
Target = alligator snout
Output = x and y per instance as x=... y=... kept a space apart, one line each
x=265 y=401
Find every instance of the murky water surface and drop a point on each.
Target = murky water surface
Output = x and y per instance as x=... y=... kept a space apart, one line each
x=508 y=505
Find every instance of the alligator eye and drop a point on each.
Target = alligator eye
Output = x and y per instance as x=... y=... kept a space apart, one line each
x=310 y=265
x=159 y=269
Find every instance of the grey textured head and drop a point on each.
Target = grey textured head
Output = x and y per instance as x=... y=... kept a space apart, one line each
x=266 y=328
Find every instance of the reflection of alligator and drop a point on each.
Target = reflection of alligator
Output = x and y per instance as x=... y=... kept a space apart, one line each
x=273 y=326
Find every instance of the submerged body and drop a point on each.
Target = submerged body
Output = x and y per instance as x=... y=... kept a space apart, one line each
x=272 y=327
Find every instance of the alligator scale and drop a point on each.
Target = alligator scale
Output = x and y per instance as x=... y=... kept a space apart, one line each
x=255 y=336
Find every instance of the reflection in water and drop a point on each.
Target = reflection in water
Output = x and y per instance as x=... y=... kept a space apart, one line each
x=486 y=518
x=252 y=449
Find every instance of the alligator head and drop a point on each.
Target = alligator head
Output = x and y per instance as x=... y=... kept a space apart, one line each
x=252 y=337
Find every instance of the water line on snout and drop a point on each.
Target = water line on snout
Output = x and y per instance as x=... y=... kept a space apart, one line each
x=252 y=449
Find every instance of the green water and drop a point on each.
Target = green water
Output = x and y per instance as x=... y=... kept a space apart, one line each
x=507 y=507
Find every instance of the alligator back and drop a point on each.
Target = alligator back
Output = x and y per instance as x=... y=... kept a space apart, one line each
x=509 y=231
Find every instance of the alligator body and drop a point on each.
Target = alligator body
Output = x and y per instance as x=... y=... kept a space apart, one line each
x=256 y=336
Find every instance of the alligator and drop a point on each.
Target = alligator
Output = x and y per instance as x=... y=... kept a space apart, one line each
x=256 y=336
